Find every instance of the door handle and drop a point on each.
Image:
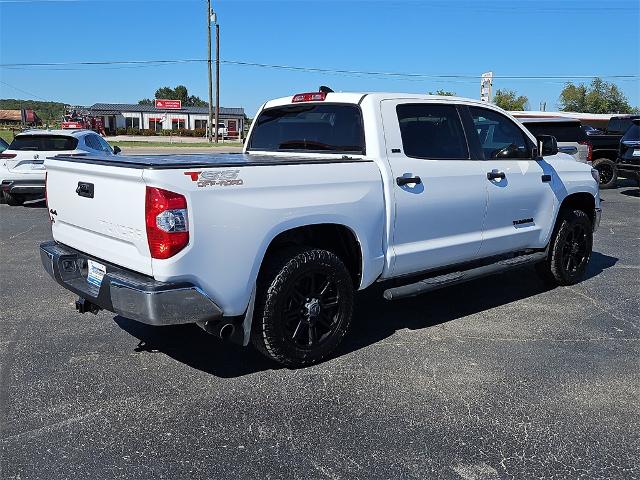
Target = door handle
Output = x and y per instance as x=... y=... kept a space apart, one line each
x=404 y=180
x=495 y=174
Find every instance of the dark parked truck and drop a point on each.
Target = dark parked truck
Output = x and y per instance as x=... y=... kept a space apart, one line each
x=606 y=146
x=628 y=163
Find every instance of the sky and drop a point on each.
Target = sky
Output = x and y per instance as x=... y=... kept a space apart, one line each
x=570 y=39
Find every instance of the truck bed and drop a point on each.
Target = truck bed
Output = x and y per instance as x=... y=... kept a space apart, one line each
x=163 y=162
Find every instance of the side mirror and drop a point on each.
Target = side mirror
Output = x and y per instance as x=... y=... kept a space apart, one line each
x=116 y=150
x=547 y=145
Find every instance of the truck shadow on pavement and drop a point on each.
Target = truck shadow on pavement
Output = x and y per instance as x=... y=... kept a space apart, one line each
x=375 y=319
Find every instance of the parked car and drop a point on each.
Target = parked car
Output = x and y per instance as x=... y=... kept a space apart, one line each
x=628 y=162
x=568 y=132
x=606 y=146
x=589 y=130
x=22 y=171
x=334 y=192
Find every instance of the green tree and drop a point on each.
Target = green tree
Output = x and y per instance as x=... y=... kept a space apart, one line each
x=444 y=93
x=510 y=100
x=597 y=97
x=179 y=93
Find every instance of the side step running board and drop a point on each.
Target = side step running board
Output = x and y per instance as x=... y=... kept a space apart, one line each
x=452 y=278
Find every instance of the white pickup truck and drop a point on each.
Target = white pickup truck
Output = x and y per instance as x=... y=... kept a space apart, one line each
x=333 y=192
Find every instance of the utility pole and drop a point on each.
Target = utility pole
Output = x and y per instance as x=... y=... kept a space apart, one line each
x=217 y=74
x=210 y=16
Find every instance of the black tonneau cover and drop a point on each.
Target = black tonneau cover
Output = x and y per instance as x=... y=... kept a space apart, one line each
x=161 y=162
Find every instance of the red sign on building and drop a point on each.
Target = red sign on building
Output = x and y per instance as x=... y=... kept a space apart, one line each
x=169 y=104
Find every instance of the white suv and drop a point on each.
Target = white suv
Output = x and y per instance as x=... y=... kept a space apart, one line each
x=22 y=171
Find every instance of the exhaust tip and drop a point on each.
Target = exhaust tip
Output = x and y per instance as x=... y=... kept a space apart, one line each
x=227 y=331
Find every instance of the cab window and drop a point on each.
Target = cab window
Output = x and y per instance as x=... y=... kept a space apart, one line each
x=432 y=131
x=500 y=138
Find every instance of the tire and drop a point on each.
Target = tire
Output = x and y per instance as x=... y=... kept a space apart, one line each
x=608 y=172
x=570 y=249
x=13 y=200
x=304 y=306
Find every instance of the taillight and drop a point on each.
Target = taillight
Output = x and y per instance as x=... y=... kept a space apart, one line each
x=8 y=155
x=589 y=149
x=309 y=97
x=167 y=222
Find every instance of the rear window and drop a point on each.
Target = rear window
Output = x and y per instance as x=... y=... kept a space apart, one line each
x=564 y=132
x=309 y=128
x=43 y=143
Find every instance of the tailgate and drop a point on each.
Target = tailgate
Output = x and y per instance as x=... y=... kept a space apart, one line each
x=27 y=163
x=106 y=218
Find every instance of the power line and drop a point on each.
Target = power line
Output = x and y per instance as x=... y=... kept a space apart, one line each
x=109 y=64
x=24 y=91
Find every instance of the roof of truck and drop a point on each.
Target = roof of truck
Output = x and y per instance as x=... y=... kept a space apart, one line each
x=357 y=97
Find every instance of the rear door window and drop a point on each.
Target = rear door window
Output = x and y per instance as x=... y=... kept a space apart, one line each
x=432 y=131
x=332 y=128
x=44 y=143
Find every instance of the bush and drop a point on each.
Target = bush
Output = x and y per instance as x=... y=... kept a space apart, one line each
x=149 y=133
x=121 y=131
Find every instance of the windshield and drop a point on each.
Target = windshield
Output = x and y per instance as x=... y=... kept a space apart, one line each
x=43 y=143
x=310 y=128
x=633 y=134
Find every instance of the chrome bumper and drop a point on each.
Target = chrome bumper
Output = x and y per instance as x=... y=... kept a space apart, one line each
x=129 y=294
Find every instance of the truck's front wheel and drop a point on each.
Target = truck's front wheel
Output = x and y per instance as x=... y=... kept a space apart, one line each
x=569 y=250
x=304 y=306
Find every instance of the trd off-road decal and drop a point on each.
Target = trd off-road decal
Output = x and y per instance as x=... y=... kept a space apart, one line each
x=216 y=178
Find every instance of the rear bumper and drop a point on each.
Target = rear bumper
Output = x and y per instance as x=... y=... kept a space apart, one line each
x=23 y=186
x=130 y=294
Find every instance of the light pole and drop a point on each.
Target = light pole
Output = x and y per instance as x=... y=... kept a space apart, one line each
x=215 y=21
x=210 y=17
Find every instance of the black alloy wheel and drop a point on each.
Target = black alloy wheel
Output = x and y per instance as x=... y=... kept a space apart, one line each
x=569 y=249
x=575 y=249
x=311 y=308
x=304 y=305
x=607 y=171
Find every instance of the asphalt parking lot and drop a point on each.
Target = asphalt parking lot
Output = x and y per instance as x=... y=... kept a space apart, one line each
x=499 y=378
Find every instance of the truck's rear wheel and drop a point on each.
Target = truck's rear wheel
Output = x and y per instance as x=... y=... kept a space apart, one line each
x=570 y=249
x=608 y=172
x=304 y=306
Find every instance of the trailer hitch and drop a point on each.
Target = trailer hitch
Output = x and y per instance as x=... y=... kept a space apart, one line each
x=84 y=306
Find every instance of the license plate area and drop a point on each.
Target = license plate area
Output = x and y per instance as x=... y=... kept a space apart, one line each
x=636 y=152
x=95 y=272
